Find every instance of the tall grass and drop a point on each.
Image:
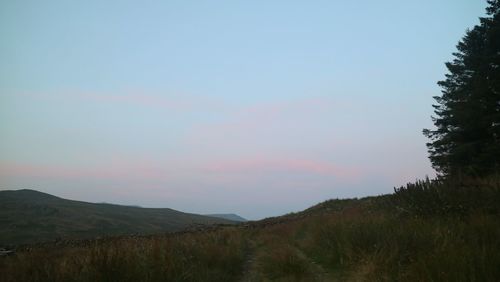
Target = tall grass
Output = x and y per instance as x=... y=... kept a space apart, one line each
x=390 y=248
x=429 y=231
x=425 y=231
x=454 y=196
x=279 y=259
x=210 y=256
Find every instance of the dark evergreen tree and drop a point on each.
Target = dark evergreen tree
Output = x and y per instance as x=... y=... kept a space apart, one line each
x=467 y=115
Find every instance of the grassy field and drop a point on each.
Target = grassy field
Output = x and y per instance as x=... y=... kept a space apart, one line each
x=426 y=231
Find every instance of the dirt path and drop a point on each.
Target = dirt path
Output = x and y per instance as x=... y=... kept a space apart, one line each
x=250 y=269
x=253 y=265
x=320 y=274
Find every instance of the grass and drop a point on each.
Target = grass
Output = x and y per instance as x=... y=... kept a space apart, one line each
x=207 y=256
x=383 y=247
x=425 y=231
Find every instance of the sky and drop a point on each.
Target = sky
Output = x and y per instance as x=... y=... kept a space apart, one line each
x=258 y=108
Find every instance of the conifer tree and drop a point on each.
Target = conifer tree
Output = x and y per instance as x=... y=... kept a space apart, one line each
x=466 y=139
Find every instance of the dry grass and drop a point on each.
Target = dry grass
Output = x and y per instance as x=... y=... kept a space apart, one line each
x=423 y=232
x=209 y=256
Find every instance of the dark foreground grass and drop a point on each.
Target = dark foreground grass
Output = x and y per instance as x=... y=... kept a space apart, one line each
x=382 y=247
x=426 y=231
x=210 y=256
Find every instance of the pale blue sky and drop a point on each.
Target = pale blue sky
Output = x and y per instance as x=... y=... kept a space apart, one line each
x=253 y=107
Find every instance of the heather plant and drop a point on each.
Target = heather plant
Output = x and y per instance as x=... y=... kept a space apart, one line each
x=458 y=196
x=383 y=247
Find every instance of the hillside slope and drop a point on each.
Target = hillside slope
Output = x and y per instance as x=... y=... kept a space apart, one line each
x=228 y=216
x=28 y=216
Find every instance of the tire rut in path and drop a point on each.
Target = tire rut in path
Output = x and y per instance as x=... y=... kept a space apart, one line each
x=320 y=274
x=250 y=269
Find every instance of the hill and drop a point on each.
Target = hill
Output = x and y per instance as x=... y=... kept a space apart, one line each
x=426 y=231
x=228 y=216
x=28 y=216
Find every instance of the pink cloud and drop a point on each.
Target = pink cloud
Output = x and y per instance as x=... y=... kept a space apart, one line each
x=114 y=171
x=172 y=101
x=141 y=99
x=266 y=122
x=266 y=112
x=271 y=165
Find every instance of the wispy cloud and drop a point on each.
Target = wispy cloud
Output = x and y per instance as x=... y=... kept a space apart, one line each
x=152 y=99
x=173 y=101
x=302 y=125
x=273 y=165
x=115 y=171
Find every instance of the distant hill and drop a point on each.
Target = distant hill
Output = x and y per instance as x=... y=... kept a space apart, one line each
x=28 y=216
x=229 y=216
